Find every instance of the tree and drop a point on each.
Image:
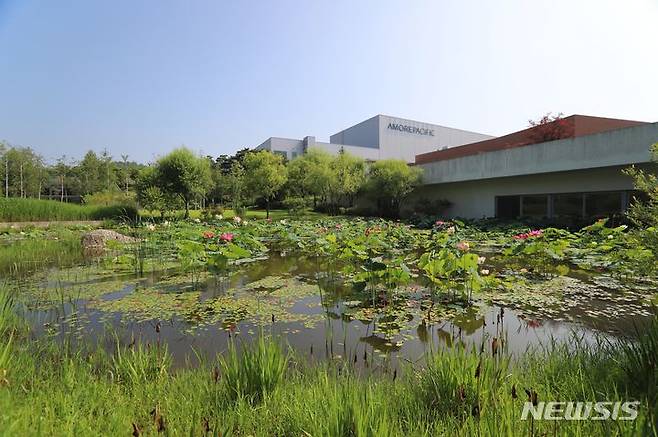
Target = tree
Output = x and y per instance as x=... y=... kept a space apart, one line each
x=645 y=212
x=550 y=128
x=311 y=174
x=390 y=181
x=184 y=175
x=265 y=174
x=350 y=176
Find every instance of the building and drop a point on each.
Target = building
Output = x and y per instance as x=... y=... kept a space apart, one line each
x=567 y=169
x=379 y=137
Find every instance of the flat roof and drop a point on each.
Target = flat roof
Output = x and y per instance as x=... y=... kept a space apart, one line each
x=569 y=127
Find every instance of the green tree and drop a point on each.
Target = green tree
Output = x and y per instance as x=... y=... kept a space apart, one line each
x=645 y=212
x=26 y=172
x=184 y=175
x=311 y=174
x=265 y=174
x=390 y=181
x=349 y=177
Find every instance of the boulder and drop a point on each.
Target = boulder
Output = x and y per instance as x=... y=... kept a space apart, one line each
x=96 y=239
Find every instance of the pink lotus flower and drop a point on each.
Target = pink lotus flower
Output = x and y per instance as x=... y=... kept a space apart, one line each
x=463 y=246
x=226 y=236
x=531 y=234
x=208 y=234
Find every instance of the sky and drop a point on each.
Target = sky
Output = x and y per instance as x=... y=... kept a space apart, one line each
x=141 y=77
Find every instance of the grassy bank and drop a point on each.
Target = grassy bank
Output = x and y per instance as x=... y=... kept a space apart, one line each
x=47 y=389
x=30 y=210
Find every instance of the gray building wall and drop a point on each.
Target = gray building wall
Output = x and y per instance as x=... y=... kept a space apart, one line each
x=617 y=147
x=477 y=199
x=405 y=145
x=375 y=139
x=584 y=164
x=364 y=134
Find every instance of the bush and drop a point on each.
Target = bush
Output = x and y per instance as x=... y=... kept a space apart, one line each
x=212 y=212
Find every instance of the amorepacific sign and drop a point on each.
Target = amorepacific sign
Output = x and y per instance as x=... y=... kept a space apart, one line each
x=411 y=129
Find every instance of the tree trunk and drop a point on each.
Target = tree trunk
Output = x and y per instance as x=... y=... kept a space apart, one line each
x=267 y=203
x=187 y=209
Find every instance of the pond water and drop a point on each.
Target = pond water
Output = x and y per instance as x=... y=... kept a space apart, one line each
x=320 y=315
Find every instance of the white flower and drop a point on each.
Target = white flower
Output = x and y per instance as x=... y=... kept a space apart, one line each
x=484 y=272
x=166 y=223
x=481 y=259
x=150 y=227
x=219 y=217
x=245 y=222
x=196 y=220
x=610 y=237
x=237 y=219
x=450 y=230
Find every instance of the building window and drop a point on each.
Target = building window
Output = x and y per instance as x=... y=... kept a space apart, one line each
x=599 y=205
x=568 y=206
x=534 y=206
x=508 y=207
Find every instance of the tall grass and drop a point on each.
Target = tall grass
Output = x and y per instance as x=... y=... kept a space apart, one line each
x=263 y=390
x=254 y=372
x=29 y=210
x=25 y=256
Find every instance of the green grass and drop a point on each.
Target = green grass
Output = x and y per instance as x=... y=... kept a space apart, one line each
x=265 y=390
x=20 y=257
x=31 y=210
x=252 y=214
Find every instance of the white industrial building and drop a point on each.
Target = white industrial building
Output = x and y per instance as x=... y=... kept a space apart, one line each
x=379 y=137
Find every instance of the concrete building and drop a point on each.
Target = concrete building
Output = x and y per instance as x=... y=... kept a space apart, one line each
x=558 y=171
x=379 y=137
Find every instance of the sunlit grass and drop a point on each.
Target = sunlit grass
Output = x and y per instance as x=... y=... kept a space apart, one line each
x=31 y=210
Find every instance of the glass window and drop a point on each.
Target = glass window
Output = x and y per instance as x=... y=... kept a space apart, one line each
x=602 y=204
x=508 y=207
x=568 y=205
x=534 y=206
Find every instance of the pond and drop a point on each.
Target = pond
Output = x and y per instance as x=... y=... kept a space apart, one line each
x=315 y=295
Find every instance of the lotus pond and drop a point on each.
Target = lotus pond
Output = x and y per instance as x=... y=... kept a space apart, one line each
x=376 y=293
x=327 y=327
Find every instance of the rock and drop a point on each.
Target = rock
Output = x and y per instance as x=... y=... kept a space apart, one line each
x=95 y=240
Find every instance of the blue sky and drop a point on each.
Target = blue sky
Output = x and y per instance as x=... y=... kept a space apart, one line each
x=142 y=77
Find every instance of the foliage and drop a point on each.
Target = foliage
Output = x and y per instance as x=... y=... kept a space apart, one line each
x=23 y=210
x=549 y=128
x=389 y=182
x=265 y=175
x=109 y=198
x=184 y=175
x=254 y=372
x=644 y=212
